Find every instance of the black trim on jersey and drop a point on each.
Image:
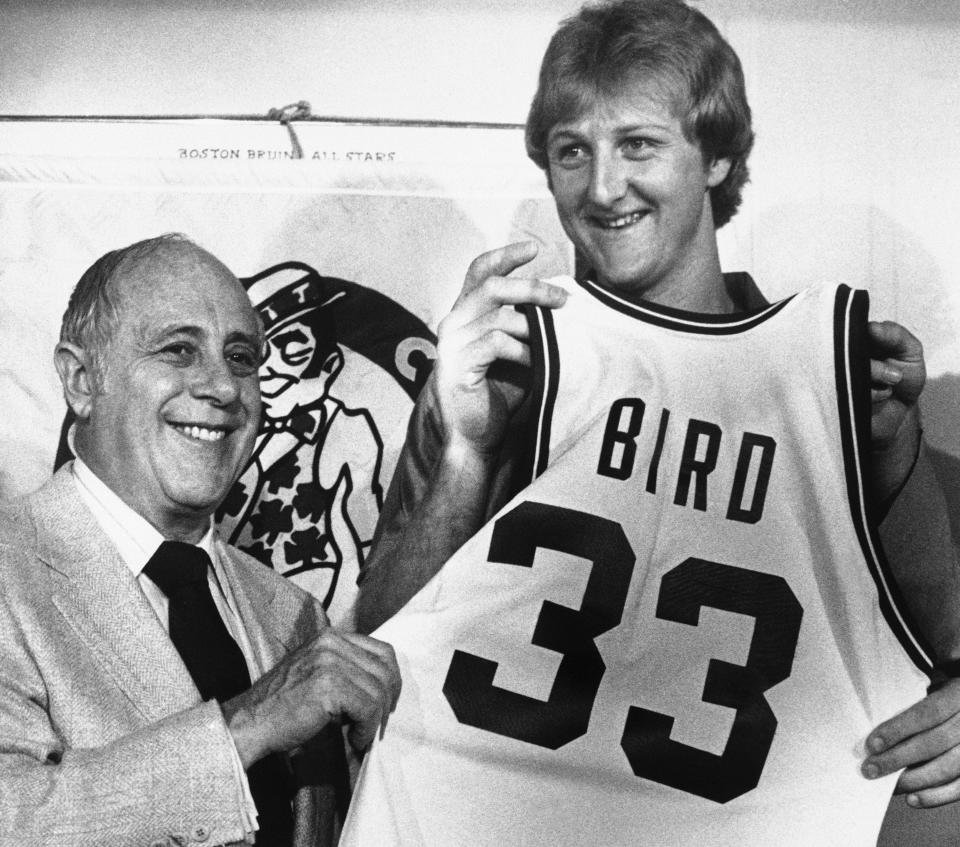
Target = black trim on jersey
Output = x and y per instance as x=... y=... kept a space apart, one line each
x=545 y=364
x=677 y=319
x=852 y=366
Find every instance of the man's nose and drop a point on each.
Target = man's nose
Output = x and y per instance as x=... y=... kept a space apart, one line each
x=608 y=178
x=213 y=379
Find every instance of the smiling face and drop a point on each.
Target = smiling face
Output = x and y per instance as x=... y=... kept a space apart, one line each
x=632 y=193
x=173 y=421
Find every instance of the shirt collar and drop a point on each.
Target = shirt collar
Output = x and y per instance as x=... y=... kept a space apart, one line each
x=135 y=538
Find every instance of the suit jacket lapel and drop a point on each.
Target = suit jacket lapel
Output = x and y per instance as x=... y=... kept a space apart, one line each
x=254 y=603
x=274 y=614
x=104 y=605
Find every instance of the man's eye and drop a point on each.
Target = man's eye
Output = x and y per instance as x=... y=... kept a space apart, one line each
x=637 y=146
x=568 y=155
x=179 y=351
x=244 y=361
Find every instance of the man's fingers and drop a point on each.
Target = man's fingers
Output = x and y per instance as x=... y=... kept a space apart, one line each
x=499 y=262
x=365 y=701
x=910 y=752
x=361 y=733
x=890 y=340
x=385 y=667
x=927 y=732
x=492 y=309
x=504 y=319
x=496 y=292
x=369 y=644
x=364 y=687
x=498 y=345
x=487 y=285
x=369 y=656
x=349 y=646
x=930 y=798
x=884 y=374
x=516 y=291
x=362 y=712
x=930 y=712
x=467 y=352
x=939 y=771
x=334 y=676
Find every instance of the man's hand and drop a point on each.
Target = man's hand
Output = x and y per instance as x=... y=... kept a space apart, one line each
x=442 y=484
x=898 y=374
x=925 y=739
x=483 y=328
x=335 y=676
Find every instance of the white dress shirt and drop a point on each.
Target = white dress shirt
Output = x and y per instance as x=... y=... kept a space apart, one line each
x=136 y=540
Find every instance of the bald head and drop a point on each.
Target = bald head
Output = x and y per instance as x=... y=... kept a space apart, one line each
x=93 y=315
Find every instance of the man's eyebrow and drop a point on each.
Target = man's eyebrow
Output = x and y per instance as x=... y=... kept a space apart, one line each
x=564 y=133
x=196 y=332
x=170 y=331
x=254 y=340
x=571 y=132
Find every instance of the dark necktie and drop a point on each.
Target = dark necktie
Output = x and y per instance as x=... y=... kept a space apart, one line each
x=218 y=669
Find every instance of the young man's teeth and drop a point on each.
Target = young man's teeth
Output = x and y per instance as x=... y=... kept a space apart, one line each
x=202 y=433
x=623 y=220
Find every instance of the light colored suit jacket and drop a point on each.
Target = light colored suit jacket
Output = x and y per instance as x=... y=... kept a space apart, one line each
x=104 y=739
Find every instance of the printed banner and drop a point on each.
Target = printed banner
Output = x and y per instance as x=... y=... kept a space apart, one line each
x=351 y=253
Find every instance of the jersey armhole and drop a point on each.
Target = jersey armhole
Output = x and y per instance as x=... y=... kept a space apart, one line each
x=545 y=368
x=852 y=360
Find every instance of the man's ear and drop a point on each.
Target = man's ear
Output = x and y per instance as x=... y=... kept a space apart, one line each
x=717 y=171
x=75 y=370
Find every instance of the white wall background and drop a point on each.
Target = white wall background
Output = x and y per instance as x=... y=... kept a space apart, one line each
x=856 y=172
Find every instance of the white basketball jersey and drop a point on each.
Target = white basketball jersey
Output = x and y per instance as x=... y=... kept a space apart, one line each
x=681 y=632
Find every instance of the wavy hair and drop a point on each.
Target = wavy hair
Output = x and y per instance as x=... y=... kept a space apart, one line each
x=598 y=51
